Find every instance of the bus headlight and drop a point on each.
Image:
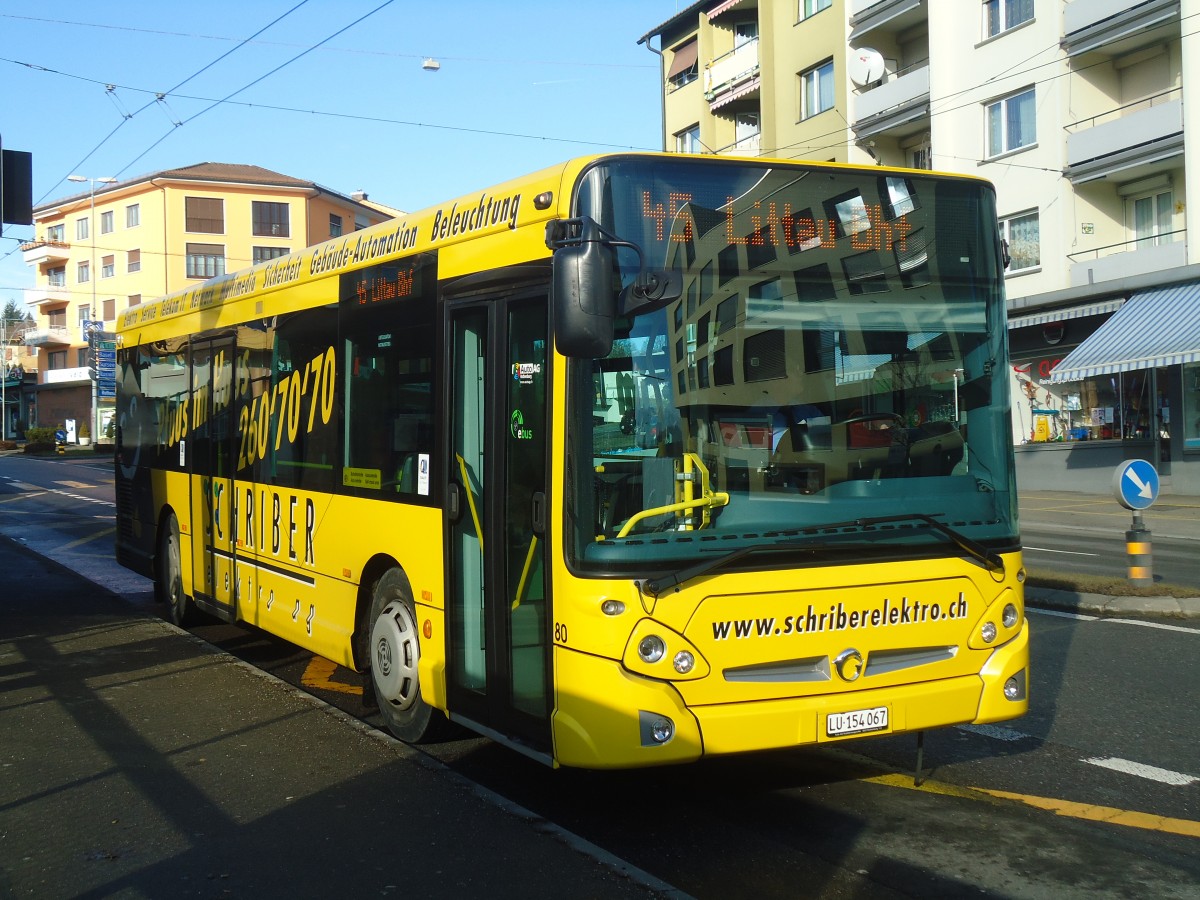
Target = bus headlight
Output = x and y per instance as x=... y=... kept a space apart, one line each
x=651 y=648
x=1010 y=615
x=656 y=729
x=988 y=632
x=655 y=650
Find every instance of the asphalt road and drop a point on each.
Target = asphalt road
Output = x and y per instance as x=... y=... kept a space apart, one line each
x=1095 y=793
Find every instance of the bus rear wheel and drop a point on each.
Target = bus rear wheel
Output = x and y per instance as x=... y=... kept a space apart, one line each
x=170 y=574
x=394 y=651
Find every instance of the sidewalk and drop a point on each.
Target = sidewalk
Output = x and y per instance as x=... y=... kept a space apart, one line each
x=139 y=761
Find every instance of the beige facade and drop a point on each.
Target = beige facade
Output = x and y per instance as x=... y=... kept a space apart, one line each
x=1078 y=112
x=116 y=244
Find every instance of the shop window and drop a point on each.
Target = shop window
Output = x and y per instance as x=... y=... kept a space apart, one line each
x=1191 y=406
x=1120 y=406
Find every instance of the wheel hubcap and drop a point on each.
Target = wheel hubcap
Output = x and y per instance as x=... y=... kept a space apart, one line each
x=394 y=656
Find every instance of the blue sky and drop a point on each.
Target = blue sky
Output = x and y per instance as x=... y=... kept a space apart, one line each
x=521 y=85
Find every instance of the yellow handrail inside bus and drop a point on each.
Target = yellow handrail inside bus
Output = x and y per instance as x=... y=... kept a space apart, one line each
x=692 y=471
x=462 y=466
x=525 y=571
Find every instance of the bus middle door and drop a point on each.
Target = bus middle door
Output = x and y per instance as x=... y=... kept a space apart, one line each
x=498 y=601
x=212 y=460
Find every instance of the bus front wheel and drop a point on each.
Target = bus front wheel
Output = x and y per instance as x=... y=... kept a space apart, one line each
x=170 y=574
x=394 y=651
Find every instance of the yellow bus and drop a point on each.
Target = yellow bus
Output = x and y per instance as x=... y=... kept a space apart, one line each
x=635 y=460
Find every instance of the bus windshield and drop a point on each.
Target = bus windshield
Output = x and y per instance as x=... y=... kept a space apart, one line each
x=837 y=353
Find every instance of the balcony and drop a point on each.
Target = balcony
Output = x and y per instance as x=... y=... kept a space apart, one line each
x=47 y=337
x=885 y=16
x=1117 y=26
x=1137 y=257
x=47 y=294
x=39 y=253
x=734 y=75
x=65 y=376
x=898 y=106
x=1134 y=140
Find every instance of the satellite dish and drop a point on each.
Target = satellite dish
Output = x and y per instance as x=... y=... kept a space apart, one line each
x=865 y=66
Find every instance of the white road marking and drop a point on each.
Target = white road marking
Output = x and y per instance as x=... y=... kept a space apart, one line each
x=1141 y=770
x=1067 y=552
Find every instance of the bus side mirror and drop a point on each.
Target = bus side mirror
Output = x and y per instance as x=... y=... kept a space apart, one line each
x=584 y=297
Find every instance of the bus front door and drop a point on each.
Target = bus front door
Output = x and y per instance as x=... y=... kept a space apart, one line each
x=211 y=463
x=498 y=600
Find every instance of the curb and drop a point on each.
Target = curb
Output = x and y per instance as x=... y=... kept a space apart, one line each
x=1106 y=605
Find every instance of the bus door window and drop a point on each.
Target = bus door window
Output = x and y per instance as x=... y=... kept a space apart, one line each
x=468 y=440
x=524 y=530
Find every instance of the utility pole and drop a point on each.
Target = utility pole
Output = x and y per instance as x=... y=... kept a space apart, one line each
x=93 y=275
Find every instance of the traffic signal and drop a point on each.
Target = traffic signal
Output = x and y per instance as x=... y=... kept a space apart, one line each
x=16 y=187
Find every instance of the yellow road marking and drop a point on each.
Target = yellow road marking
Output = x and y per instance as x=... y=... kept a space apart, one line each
x=1108 y=814
x=74 y=485
x=318 y=673
x=1087 y=811
x=85 y=540
x=22 y=497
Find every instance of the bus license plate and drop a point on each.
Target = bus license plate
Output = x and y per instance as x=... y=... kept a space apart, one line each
x=858 y=721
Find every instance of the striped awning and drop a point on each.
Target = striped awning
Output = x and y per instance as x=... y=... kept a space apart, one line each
x=1047 y=316
x=737 y=93
x=722 y=7
x=1160 y=327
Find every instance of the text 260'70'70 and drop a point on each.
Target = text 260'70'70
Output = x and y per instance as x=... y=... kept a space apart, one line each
x=284 y=403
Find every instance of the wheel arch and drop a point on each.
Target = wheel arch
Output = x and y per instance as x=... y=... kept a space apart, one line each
x=371 y=573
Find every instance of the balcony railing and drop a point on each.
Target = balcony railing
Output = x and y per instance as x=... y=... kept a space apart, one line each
x=1123 y=259
x=1095 y=24
x=47 y=337
x=38 y=252
x=750 y=145
x=726 y=72
x=1146 y=131
x=903 y=98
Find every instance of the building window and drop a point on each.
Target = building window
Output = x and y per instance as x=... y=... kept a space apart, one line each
x=57 y=359
x=57 y=318
x=57 y=277
x=684 y=65
x=1001 y=15
x=271 y=219
x=688 y=141
x=108 y=265
x=335 y=225
x=83 y=273
x=812 y=7
x=205 y=260
x=133 y=215
x=1024 y=245
x=133 y=261
x=135 y=300
x=55 y=233
x=262 y=254
x=110 y=310
x=1011 y=123
x=1151 y=218
x=81 y=229
x=106 y=222
x=85 y=314
x=817 y=90
x=81 y=357
x=204 y=215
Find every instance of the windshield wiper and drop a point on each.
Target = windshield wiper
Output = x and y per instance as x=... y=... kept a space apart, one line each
x=656 y=586
x=969 y=546
x=991 y=560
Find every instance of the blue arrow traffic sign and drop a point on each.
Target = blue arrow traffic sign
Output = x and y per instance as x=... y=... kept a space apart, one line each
x=1135 y=484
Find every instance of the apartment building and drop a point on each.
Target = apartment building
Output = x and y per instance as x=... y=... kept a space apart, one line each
x=1079 y=112
x=104 y=249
